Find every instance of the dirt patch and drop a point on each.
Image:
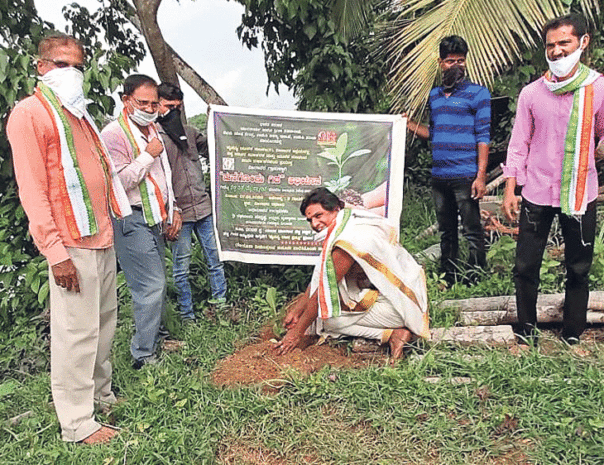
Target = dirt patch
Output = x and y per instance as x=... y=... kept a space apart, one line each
x=259 y=363
x=241 y=453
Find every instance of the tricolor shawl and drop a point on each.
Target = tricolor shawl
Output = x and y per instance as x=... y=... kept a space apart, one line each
x=74 y=193
x=573 y=200
x=373 y=244
x=154 y=210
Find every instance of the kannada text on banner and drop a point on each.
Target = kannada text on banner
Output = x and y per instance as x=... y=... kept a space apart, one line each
x=263 y=163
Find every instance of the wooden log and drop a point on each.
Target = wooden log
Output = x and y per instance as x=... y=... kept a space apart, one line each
x=471 y=335
x=498 y=181
x=544 y=315
x=432 y=253
x=508 y=302
x=427 y=232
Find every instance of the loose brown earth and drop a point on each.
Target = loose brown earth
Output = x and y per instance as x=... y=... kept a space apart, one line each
x=259 y=363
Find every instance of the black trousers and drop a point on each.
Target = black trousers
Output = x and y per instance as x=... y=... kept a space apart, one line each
x=578 y=234
x=453 y=197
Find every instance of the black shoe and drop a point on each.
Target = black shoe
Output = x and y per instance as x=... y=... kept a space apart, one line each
x=527 y=336
x=137 y=364
x=570 y=340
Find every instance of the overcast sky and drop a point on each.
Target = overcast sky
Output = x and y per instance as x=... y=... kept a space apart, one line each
x=203 y=32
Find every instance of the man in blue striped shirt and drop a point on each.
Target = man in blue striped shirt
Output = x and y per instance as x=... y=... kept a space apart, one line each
x=459 y=131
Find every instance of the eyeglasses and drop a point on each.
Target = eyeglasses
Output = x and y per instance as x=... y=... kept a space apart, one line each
x=145 y=103
x=64 y=64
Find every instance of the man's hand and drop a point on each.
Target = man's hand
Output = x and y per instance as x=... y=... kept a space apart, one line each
x=510 y=205
x=479 y=188
x=291 y=319
x=173 y=229
x=66 y=275
x=155 y=147
x=289 y=342
x=421 y=130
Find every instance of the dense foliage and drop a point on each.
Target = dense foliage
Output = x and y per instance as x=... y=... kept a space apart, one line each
x=23 y=272
x=303 y=51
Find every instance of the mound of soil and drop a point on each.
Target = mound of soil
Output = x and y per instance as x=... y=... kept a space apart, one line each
x=259 y=363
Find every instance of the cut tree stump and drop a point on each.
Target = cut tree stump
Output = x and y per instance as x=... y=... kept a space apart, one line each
x=496 y=336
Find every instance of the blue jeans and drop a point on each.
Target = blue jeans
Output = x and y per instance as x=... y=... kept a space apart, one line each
x=181 y=257
x=453 y=197
x=140 y=251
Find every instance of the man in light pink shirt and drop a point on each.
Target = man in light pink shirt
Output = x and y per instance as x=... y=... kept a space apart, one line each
x=551 y=155
x=143 y=167
x=81 y=258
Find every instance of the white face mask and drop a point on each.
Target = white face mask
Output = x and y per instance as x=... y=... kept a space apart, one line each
x=67 y=84
x=142 y=118
x=563 y=66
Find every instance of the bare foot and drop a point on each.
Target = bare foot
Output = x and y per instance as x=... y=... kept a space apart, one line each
x=398 y=339
x=100 y=436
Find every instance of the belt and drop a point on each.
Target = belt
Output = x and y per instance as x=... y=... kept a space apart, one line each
x=138 y=208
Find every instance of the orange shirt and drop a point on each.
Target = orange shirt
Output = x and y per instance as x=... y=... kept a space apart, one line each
x=37 y=161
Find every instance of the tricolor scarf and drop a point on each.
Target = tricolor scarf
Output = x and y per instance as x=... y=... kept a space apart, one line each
x=373 y=244
x=328 y=294
x=578 y=140
x=154 y=210
x=74 y=193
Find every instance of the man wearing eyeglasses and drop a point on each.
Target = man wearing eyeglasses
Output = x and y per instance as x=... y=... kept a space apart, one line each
x=184 y=145
x=69 y=190
x=141 y=161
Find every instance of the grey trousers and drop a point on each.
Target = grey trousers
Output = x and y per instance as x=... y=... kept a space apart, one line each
x=140 y=251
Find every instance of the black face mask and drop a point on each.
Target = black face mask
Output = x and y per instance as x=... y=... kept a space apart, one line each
x=172 y=124
x=452 y=77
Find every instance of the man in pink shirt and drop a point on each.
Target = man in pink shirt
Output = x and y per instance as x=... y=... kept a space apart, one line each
x=69 y=188
x=144 y=170
x=551 y=155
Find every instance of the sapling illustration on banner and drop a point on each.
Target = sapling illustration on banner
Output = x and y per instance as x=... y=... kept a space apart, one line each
x=335 y=155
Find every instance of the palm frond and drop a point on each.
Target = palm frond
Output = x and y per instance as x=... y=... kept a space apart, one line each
x=350 y=16
x=496 y=32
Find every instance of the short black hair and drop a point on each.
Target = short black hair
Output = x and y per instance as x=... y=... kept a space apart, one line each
x=134 y=81
x=328 y=200
x=577 y=21
x=452 y=45
x=169 y=91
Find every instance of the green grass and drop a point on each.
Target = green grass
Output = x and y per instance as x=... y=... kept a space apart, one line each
x=377 y=415
x=546 y=404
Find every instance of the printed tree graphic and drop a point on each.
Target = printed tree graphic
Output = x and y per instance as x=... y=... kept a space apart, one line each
x=335 y=155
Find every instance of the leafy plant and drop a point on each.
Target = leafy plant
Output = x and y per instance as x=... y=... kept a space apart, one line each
x=336 y=157
x=550 y=273
x=501 y=255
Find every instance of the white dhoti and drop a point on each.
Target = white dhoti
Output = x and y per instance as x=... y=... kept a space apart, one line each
x=397 y=297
